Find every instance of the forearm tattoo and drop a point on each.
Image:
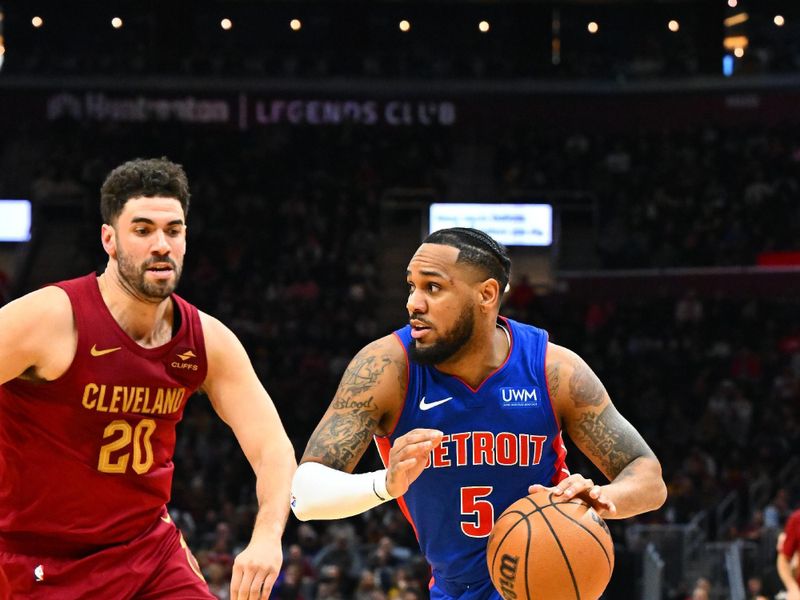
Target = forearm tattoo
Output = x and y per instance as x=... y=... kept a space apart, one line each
x=339 y=441
x=341 y=438
x=610 y=438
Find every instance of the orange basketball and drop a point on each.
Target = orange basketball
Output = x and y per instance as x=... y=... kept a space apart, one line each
x=545 y=548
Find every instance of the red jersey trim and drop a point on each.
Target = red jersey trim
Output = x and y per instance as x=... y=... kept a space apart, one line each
x=408 y=390
x=383 y=449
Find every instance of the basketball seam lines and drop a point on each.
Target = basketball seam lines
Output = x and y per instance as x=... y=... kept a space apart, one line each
x=587 y=530
x=524 y=517
x=560 y=546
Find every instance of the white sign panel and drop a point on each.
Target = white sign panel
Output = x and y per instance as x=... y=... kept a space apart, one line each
x=509 y=224
x=15 y=220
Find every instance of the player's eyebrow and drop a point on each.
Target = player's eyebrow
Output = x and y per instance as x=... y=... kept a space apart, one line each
x=429 y=273
x=151 y=222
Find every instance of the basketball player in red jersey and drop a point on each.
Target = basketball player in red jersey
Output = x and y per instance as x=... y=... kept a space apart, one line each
x=788 y=551
x=95 y=374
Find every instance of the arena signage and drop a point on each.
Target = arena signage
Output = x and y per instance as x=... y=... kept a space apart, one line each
x=396 y=113
x=137 y=109
x=244 y=112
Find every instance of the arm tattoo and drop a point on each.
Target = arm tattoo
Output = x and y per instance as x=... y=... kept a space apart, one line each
x=609 y=438
x=553 y=380
x=361 y=375
x=585 y=388
x=339 y=441
x=341 y=438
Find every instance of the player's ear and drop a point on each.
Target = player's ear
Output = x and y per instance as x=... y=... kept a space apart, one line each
x=109 y=240
x=489 y=294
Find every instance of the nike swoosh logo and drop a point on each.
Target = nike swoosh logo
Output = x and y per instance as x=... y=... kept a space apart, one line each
x=429 y=405
x=95 y=352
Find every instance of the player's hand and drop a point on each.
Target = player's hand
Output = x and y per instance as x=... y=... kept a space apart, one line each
x=408 y=458
x=577 y=486
x=256 y=569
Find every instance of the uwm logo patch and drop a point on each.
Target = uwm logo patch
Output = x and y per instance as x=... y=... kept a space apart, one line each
x=519 y=397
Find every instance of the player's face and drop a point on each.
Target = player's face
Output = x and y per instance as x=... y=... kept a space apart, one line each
x=148 y=242
x=441 y=306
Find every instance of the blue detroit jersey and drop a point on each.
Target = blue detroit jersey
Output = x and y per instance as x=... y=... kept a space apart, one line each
x=498 y=439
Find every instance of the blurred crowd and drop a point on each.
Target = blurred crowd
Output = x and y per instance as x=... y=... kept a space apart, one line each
x=702 y=196
x=284 y=231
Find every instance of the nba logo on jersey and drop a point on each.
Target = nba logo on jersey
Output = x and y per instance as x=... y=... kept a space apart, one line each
x=519 y=397
x=38 y=573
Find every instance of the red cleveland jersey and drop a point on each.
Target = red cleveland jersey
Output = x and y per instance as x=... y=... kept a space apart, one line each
x=86 y=459
x=791 y=543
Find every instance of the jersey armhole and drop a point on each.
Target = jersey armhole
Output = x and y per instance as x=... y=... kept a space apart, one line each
x=546 y=344
x=408 y=389
x=78 y=323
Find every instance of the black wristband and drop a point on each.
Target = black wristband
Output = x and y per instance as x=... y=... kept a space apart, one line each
x=376 y=491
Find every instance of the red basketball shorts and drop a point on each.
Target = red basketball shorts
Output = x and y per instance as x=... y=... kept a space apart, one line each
x=156 y=565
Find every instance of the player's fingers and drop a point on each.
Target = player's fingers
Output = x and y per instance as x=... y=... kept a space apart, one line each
x=236 y=581
x=416 y=450
x=405 y=465
x=256 y=585
x=419 y=435
x=538 y=487
x=266 y=588
x=574 y=487
x=246 y=584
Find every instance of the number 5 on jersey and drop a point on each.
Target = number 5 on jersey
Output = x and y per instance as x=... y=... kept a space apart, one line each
x=482 y=511
x=138 y=437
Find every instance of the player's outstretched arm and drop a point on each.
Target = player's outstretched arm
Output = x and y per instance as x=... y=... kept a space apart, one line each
x=242 y=402
x=37 y=335
x=785 y=573
x=368 y=401
x=606 y=438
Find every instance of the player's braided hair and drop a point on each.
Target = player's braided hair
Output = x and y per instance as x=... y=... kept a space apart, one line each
x=143 y=177
x=476 y=248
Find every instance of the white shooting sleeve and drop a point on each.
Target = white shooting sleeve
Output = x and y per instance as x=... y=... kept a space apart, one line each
x=319 y=492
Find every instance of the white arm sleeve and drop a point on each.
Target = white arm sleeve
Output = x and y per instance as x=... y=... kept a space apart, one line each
x=319 y=492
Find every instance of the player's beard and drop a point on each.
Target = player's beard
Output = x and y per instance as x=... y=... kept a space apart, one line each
x=134 y=277
x=448 y=344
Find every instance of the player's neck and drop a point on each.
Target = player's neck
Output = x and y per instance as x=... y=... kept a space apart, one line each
x=480 y=357
x=149 y=324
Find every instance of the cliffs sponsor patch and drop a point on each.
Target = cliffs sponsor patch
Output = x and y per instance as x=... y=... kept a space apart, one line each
x=186 y=357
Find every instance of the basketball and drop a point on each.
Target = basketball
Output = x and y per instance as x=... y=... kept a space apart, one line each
x=545 y=548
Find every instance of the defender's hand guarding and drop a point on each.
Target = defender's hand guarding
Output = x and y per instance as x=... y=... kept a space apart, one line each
x=256 y=569
x=408 y=458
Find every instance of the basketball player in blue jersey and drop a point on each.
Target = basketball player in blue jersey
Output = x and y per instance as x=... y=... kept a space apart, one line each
x=467 y=409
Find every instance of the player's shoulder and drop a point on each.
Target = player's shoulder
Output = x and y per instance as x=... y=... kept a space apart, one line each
x=389 y=345
x=385 y=362
x=218 y=337
x=48 y=306
x=557 y=354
